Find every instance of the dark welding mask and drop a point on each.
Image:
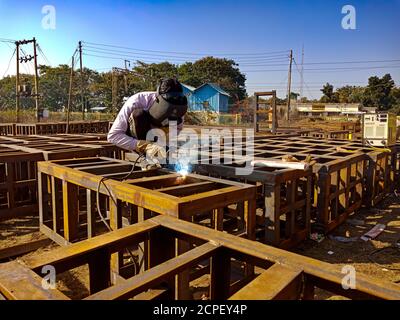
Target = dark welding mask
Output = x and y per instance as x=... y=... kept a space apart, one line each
x=170 y=104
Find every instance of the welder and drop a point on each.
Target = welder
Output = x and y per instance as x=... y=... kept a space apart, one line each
x=145 y=111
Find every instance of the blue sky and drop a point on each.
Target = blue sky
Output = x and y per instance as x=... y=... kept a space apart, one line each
x=217 y=27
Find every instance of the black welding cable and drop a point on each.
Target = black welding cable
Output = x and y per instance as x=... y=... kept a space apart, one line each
x=98 y=204
x=103 y=219
x=140 y=156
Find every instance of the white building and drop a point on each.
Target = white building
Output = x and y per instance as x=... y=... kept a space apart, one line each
x=328 y=109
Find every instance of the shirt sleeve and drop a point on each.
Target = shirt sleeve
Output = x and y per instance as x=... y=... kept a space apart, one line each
x=117 y=134
x=180 y=126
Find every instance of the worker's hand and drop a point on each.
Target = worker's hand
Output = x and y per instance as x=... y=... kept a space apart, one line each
x=154 y=150
x=151 y=150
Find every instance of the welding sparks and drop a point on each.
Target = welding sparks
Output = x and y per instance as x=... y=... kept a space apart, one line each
x=183 y=168
x=183 y=172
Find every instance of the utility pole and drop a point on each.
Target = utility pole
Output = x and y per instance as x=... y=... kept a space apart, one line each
x=114 y=91
x=17 y=86
x=17 y=78
x=36 y=81
x=81 y=70
x=289 y=86
x=70 y=93
x=302 y=73
x=125 y=76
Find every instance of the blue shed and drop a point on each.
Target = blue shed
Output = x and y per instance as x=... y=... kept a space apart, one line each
x=208 y=96
x=188 y=91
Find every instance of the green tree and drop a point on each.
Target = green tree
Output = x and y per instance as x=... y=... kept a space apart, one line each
x=7 y=92
x=329 y=94
x=223 y=72
x=54 y=86
x=395 y=97
x=378 y=92
x=147 y=76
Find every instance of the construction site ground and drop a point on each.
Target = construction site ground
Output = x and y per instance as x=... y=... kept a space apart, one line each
x=366 y=257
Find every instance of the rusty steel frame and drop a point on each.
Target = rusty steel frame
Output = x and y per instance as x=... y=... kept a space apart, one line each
x=284 y=196
x=76 y=183
x=7 y=129
x=340 y=177
x=69 y=187
x=49 y=128
x=18 y=171
x=329 y=134
x=69 y=138
x=346 y=175
x=382 y=167
x=18 y=184
x=282 y=275
x=257 y=111
x=57 y=150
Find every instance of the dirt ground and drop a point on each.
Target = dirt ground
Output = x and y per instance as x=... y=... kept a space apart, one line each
x=366 y=257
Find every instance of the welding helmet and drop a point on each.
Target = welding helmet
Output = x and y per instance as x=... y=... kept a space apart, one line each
x=170 y=104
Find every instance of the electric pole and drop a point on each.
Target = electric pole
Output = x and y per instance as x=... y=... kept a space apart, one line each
x=114 y=91
x=17 y=86
x=81 y=70
x=70 y=93
x=125 y=76
x=289 y=85
x=302 y=73
x=36 y=81
x=25 y=59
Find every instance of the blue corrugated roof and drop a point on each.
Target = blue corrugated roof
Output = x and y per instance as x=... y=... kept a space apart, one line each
x=188 y=87
x=216 y=87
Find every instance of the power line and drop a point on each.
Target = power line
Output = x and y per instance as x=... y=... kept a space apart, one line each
x=43 y=55
x=329 y=69
x=250 y=61
x=7 y=40
x=28 y=64
x=187 y=53
x=301 y=72
x=9 y=63
x=112 y=51
x=124 y=55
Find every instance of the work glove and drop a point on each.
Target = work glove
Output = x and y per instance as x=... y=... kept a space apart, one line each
x=151 y=150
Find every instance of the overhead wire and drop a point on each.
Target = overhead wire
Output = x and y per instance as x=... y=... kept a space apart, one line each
x=305 y=83
x=43 y=55
x=186 y=53
x=9 y=63
x=28 y=64
x=111 y=51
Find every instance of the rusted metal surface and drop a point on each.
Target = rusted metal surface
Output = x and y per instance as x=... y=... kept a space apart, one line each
x=346 y=174
x=58 y=150
x=265 y=117
x=18 y=185
x=75 y=194
x=283 y=197
x=282 y=275
x=70 y=187
x=47 y=128
x=7 y=129
x=328 y=134
x=18 y=169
